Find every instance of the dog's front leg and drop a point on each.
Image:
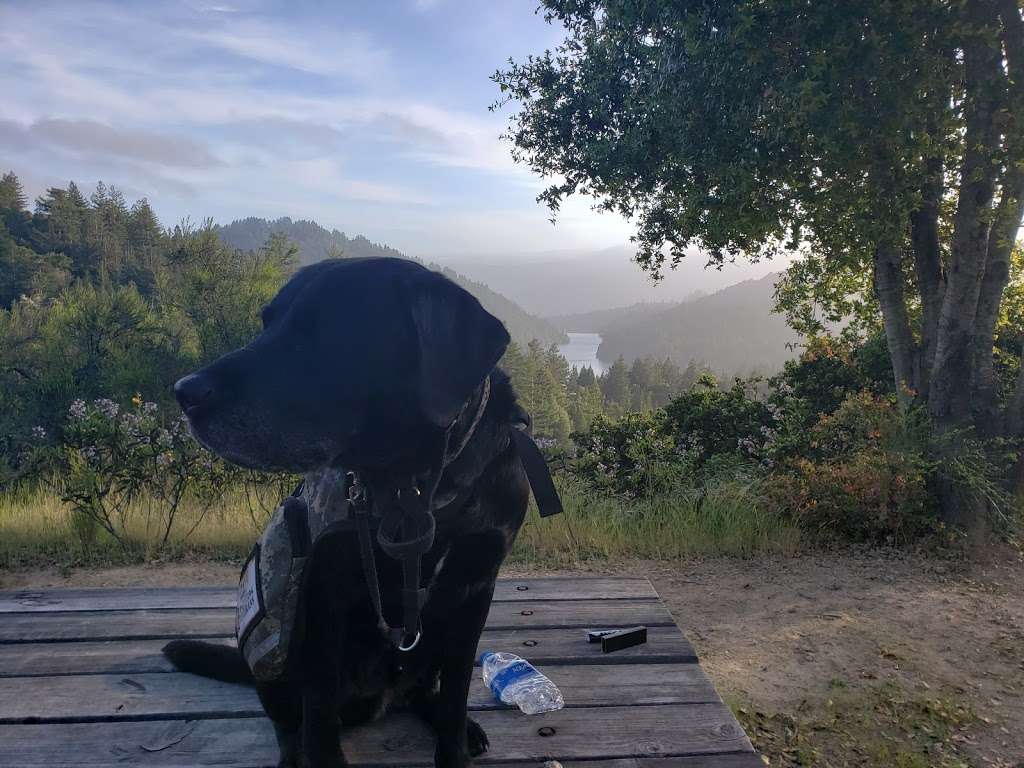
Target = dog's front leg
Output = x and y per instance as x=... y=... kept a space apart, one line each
x=321 y=747
x=283 y=705
x=458 y=654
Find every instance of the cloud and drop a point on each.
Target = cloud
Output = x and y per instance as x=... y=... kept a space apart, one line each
x=88 y=136
x=351 y=54
x=445 y=137
x=364 y=119
x=325 y=177
x=375 y=192
x=14 y=137
x=284 y=136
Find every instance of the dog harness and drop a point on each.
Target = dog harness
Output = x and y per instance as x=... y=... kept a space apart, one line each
x=398 y=515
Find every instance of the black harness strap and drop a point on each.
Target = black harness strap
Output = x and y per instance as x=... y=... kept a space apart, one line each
x=537 y=472
x=412 y=516
x=406 y=525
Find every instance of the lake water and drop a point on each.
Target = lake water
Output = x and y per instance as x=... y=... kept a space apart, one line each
x=581 y=351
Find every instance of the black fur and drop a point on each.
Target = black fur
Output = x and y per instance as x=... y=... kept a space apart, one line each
x=221 y=662
x=361 y=364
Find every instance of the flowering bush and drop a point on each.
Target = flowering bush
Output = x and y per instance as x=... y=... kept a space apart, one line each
x=863 y=476
x=861 y=472
x=116 y=459
x=714 y=422
x=874 y=495
x=633 y=456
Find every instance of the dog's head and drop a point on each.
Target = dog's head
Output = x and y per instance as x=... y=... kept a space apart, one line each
x=358 y=360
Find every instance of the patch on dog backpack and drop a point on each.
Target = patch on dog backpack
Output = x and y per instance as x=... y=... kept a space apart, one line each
x=269 y=617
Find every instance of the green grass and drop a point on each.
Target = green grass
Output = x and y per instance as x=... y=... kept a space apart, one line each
x=730 y=518
x=37 y=529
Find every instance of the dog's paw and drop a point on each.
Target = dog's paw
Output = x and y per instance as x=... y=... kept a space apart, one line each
x=476 y=738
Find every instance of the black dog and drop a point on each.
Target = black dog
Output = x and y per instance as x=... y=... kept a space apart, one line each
x=366 y=364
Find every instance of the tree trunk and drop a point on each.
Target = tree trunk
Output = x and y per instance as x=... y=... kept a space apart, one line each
x=1001 y=239
x=931 y=279
x=888 y=280
x=1015 y=409
x=1015 y=423
x=948 y=402
x=1008 y=218
x=888 y=283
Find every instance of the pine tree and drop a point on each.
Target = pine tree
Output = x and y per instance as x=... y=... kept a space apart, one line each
x=585 y=405
x=615 y=385
x=12 y=196
x=144 y=232
x=60 y=226
x=641 y=382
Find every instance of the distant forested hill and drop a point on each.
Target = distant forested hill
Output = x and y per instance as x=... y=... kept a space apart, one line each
x=522 y=326
x=316 y=243
x=599 y=319
x=574 y=282
x=734 y=331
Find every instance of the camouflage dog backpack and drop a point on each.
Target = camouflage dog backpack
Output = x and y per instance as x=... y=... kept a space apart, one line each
x=269 y=619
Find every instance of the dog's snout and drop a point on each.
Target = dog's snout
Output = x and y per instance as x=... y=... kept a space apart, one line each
x=193 y=390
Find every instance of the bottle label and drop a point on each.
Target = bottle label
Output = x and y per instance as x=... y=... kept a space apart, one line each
x=511 y=673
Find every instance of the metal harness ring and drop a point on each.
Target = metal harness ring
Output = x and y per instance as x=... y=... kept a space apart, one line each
x=415 y=642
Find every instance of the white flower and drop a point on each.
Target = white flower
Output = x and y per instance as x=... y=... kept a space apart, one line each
x=107 y=407
x=39 y=433
x=77 y=409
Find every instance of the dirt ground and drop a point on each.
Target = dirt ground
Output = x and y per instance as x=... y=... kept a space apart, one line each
x=831 y=660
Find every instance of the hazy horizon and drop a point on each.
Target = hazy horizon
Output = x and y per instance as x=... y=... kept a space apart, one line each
x=367 y=119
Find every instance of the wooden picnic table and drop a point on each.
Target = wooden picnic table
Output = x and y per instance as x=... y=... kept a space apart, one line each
x=82 y=683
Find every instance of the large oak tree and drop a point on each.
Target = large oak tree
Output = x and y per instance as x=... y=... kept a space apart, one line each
x=882 y=138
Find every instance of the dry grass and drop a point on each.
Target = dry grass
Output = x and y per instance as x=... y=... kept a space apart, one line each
x=727 y=519
x=36 y=528
x=876 y=726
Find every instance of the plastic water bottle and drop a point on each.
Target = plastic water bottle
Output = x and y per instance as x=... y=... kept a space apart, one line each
x=514 y=680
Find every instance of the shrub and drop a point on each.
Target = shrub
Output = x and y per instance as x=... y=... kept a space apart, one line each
x=864 y=476
x=114 y=457
x=632 y=456
x=873 y=496
x=709 y=421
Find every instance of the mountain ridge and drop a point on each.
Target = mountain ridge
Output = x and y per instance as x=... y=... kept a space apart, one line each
x=316 y=242
x=733 y=330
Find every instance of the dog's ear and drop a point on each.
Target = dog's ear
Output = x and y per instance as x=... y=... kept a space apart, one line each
x=459 y=343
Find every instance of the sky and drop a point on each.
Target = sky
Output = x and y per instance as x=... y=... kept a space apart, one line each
x=368 y=116
x=371 y=117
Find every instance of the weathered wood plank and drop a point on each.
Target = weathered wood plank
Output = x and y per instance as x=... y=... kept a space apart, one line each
x=219 y=622
x=84 y=658
x=162 y=696
x=138 y=598
x=563 y=646
x=735 y=760
x=579 y=734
